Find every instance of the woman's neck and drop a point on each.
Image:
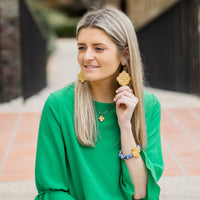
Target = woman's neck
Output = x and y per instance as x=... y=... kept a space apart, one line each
x=103 y=92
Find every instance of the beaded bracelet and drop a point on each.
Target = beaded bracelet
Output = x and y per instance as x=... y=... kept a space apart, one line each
x=134 y=154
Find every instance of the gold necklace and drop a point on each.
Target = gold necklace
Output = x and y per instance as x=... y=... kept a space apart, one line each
x=101 y=117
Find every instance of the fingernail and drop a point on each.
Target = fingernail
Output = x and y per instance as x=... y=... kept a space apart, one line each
x=114 y=99
x=116 y=91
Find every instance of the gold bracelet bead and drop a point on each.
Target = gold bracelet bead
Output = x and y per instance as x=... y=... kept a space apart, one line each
x=136 y=151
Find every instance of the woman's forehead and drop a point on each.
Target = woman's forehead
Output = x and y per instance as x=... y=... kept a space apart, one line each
x=94 y=35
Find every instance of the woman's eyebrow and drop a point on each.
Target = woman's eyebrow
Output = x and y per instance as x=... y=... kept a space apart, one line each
x=80 y=43
x=95 y=44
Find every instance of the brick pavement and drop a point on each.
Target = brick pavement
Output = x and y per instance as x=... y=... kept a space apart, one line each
x=180 y=142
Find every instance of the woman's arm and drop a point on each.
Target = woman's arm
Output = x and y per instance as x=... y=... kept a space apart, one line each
x=136 y=166
x=51 y=173
x=125 y=105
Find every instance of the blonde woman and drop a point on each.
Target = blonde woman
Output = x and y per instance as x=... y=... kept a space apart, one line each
x=99 y=138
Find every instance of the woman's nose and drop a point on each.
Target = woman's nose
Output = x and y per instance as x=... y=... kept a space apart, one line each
x=89 y=54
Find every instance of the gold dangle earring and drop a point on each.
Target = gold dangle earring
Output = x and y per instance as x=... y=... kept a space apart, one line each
x=81 y=77
x=123 y=78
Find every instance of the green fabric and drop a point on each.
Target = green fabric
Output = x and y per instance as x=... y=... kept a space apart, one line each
x=65 y=170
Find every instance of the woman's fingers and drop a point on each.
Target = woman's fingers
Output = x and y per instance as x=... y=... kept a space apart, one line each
x=124 y=91
x=129 y=102
x=126 y=102
x=125 y=96
x=124 y=88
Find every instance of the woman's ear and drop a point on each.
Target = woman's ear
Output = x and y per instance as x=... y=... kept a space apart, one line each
x=125 y=55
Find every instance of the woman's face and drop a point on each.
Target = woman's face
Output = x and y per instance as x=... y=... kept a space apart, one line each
x=98 y=55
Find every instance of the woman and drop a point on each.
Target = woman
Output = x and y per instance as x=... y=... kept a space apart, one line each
x=99 y=138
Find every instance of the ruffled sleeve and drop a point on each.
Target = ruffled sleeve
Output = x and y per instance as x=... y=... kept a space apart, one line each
x=125 y=181
x=152 y=156
x=51 y=174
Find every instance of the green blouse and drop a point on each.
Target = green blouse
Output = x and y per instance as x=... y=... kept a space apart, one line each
x=66 y=170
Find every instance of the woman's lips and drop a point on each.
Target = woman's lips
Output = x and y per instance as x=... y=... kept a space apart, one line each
x=91 y=66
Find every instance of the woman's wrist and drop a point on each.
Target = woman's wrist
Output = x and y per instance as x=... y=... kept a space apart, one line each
x=127 y=138
x=135 y=153
x=125 y=127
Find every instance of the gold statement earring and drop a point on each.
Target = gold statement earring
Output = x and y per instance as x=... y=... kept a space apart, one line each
x=123 y=78
x=81 y=77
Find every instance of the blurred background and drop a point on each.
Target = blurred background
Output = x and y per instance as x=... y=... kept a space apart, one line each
x=168 y=33
x=38 y=56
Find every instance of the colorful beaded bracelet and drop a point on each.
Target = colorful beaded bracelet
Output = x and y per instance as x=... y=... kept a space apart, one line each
x=135 y=153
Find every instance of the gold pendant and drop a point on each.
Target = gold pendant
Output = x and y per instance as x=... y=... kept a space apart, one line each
x=123 y=78
x=101 y=118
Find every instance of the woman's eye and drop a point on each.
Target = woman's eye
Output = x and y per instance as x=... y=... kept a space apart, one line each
x=99 y=49
x=81 y=48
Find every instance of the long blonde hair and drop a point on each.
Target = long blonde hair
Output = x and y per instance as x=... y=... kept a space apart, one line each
x=120 y=29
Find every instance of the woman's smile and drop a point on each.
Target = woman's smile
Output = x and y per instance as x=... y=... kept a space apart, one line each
x=91 y=67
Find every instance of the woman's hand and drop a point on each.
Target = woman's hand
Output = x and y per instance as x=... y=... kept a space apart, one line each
x=126 y=102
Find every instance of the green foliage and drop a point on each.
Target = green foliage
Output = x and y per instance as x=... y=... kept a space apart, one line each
x=61 y=24
x=55 y=23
